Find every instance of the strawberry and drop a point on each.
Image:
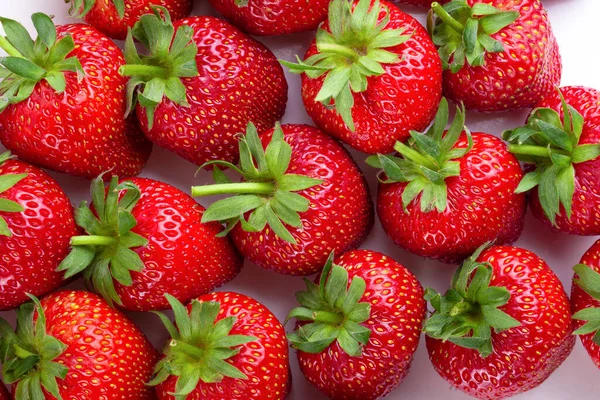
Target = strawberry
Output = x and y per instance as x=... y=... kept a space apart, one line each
x=72 y=345
x=503 y=327
x=560 y=146
x=268 y=17
x=225 y=346
x=195 y=95
x=36 y=224
x=302 y=197
x=371 y=75
x=450 y=192
x=359 y=326
x=4 y=395
x=144 y=239
x=498 y=55
x=585 y=301
x=115 y=17
x=62 y=101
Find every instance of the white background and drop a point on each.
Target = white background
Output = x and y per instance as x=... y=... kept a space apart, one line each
x=575 y=25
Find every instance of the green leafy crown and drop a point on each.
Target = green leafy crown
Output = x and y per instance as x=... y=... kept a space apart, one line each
x=268 y=192
x=351 y=51
x=552 y=146
x=105 y=252
x=588 y=280
x=7 y=181
x=464 y=34
x=80 y=8
x=199 y=347
x=170 y=57
x=30 y=62
x=331 y=311
x=28 y=354
x=427 y=161
x=469 y=311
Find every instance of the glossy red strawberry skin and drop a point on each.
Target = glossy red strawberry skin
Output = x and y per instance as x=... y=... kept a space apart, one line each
x=528 y=69
x=265 y=361
x=404 y=98
x=108 y=357
x=340 y=215
x=81 y=132
x=580 y=300
x=240 y=81
x=40 y=235
x=273 y=17
x=524 y=356
x=183 y=257
x=397 y=313
x=482 y=206
x=104 y=16
x=586 y=199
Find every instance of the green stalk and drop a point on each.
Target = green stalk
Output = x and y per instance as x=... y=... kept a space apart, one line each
x=327 y=317
x=150 y=70
x=233 y=188
x=447 y=18
x=93 y=240
x=536 y=151
x=9 y=48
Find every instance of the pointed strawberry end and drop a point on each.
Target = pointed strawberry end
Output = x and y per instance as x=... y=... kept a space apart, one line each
x=352 y=50
x=468 y=313
x=199 y=347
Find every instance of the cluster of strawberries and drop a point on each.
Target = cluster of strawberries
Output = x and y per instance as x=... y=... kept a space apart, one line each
x=373 y=78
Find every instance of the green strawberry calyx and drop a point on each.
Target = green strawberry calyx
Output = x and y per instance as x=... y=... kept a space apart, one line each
x=171 y=56
x=28 y=354
x=470 y=309
x=29 y=62
x=268 y=192
x=105 y=254
x=552 y=146
x=463 y=34
x=331 y=311
x=588 y=280
x=427 y=160
x=351 y=51
x=7 y=181
x=80 y=8
x=241 y=3
x=199 y=347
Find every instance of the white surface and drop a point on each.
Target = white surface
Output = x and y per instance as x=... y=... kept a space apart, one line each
x=574 y=23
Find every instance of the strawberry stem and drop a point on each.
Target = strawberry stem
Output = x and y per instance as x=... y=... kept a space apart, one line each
x=537 y=151
x=93 y=240
x=233 y=188
x=327 y=317
x=343 y=51
x=9 y=48
x=140 y=69
x=447 y=18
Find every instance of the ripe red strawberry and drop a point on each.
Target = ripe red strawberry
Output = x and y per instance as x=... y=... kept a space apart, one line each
x=306 y=199
x=359 y=326
x=498 y=55
x=4 y=395
x=225 y=346
x=503 y=327
x=585 y=301
x=72 y=345
x=268 y=17
x=371 y=75
x=115 y=17
x=193 y=97
x=450 y=192
x=67 y=115
x=145 y=239
x=36 y=224
x=561 y=151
